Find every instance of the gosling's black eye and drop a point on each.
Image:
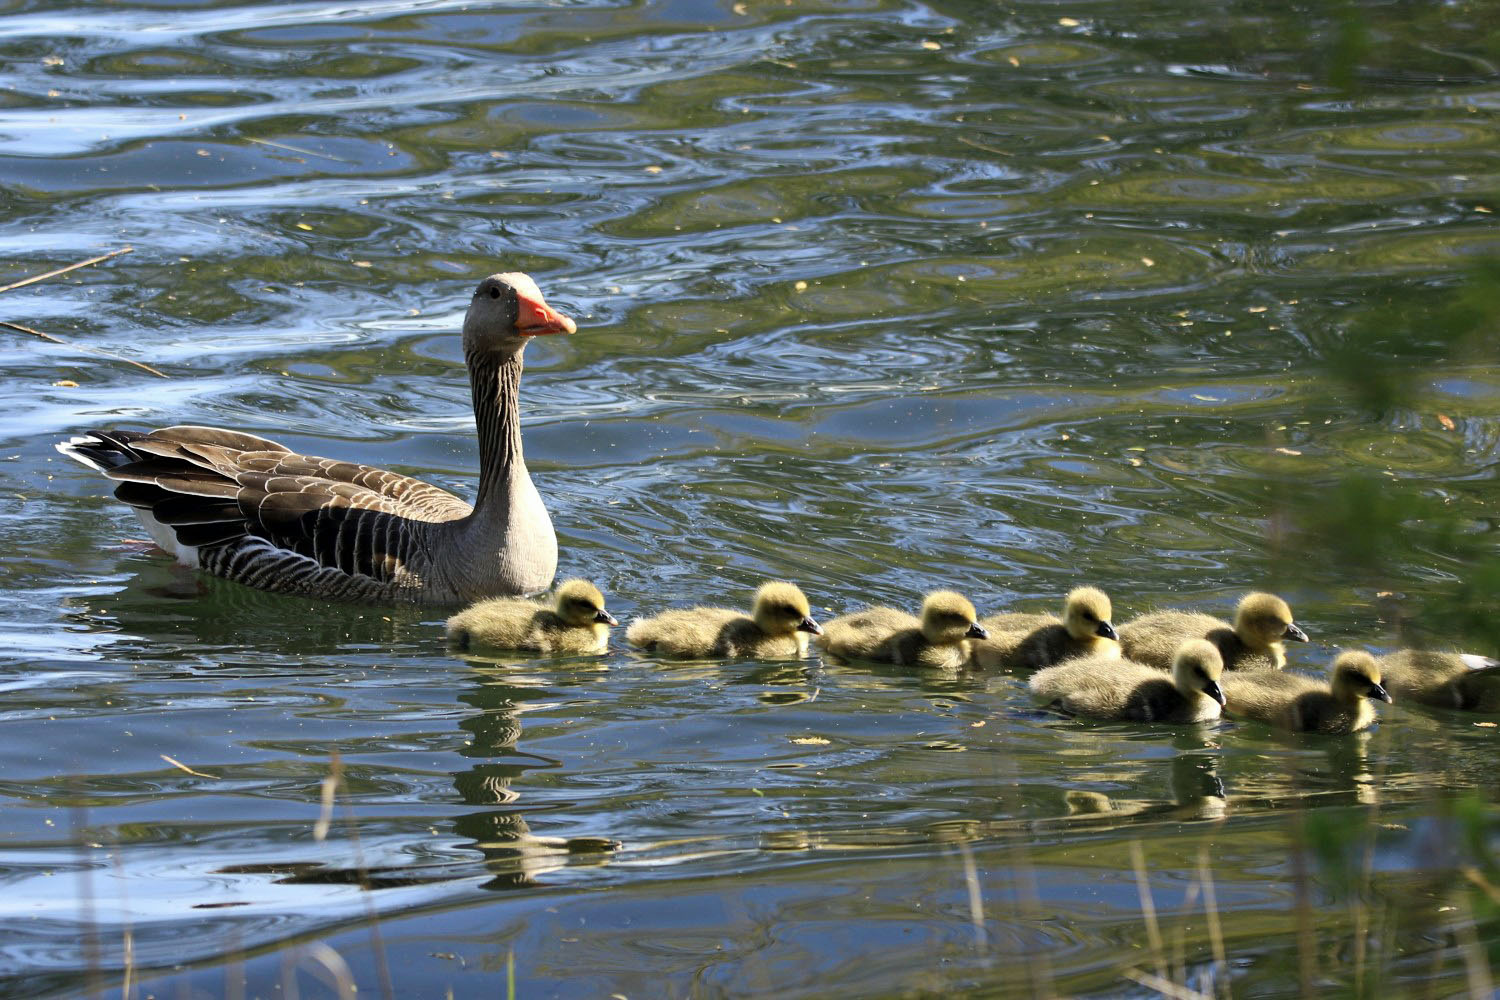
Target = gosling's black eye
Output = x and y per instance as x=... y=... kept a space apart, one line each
x=494 y=292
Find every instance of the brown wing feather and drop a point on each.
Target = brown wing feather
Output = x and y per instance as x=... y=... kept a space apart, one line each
x=215 y=487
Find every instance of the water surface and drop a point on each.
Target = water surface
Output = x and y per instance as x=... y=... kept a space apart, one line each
x=873 y=295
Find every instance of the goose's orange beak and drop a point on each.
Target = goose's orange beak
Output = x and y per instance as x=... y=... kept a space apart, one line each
x=535 y=317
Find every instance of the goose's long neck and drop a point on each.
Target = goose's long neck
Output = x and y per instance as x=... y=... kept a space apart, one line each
x=496 y=382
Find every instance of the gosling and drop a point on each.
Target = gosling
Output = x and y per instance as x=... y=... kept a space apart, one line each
x=576 y=624
x=1253 y=642
x=939 y=640
x=1115 y=690
x=1464 y=681
x=778 y=627
x=1308 y=705
x=1034 y=641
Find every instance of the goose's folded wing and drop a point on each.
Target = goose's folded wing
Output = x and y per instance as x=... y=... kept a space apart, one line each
x=354 y=518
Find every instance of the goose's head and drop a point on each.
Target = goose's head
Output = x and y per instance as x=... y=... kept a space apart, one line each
x=1356 y=675
x=781 y=609
x=948 y=618
x=1197 y=667
x=1086 y=614
x=580 y=603
x=1263 y=619
x=506 y=311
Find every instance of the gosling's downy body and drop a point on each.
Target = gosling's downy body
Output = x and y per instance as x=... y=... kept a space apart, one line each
x=1030 y=642
x=939 y=640
x=1253 y=642
x=1464 y=681
x=1307 y=705
x=1113 y=689
x=777 y=627
x=575 y=623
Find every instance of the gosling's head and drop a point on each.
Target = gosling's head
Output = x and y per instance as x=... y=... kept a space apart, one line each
x=782 y=608
x=1356 y=675
x=1086 y=614
x=580 y=603
x=948 y=618
x=1197 y=666
x=1263 y=619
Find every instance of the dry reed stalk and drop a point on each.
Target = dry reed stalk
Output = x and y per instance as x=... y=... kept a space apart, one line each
x=1165 y=987
x=294 y=149
x=1148 y=909
x=1476 y=962
x=330 y=967
x=1215 y=930
x=79 y=347
x=377 y=944
x=127 y=934
x=93 y=978
x=1302 y=884
x=976 y=900
x=64 y=270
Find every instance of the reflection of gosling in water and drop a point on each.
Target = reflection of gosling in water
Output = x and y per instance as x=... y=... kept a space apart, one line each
x=939 y=640
x=1253 y=642
x=1034 y=641
x=1113 y=689
x=576 y=623
x=777 y=627
x=1306 y=704
x=1446 y=680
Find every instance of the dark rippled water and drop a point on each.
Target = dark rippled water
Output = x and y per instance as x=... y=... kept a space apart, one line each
x=874 y=295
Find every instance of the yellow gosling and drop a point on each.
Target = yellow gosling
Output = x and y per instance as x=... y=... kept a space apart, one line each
x=1465 y=681
x=777 y=627
x=1112 y=689
x=1253 y=642
x=574 y=624
x=939 y=640
x=1307 y=705
x=1031 y=642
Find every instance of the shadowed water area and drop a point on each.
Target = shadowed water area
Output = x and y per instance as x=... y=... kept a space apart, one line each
x=873 y=295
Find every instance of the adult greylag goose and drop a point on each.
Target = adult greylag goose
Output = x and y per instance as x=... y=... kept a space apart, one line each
x=1253 y=642
x=251 y=510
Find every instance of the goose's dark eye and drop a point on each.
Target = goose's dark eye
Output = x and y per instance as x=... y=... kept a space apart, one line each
x=494 y=293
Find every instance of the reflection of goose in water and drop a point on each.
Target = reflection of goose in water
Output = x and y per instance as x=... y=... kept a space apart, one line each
x=1197 y=794
x=514 y=856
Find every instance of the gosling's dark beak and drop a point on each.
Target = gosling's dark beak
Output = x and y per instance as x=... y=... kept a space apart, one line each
x=1294 y=633
x=1106 y=631
x=605 y=618
x=1378 y=693
x=1212 y=689
x=976 y=631
x=808 y=625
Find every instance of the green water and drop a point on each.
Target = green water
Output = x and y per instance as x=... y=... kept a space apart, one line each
x=876 y=296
